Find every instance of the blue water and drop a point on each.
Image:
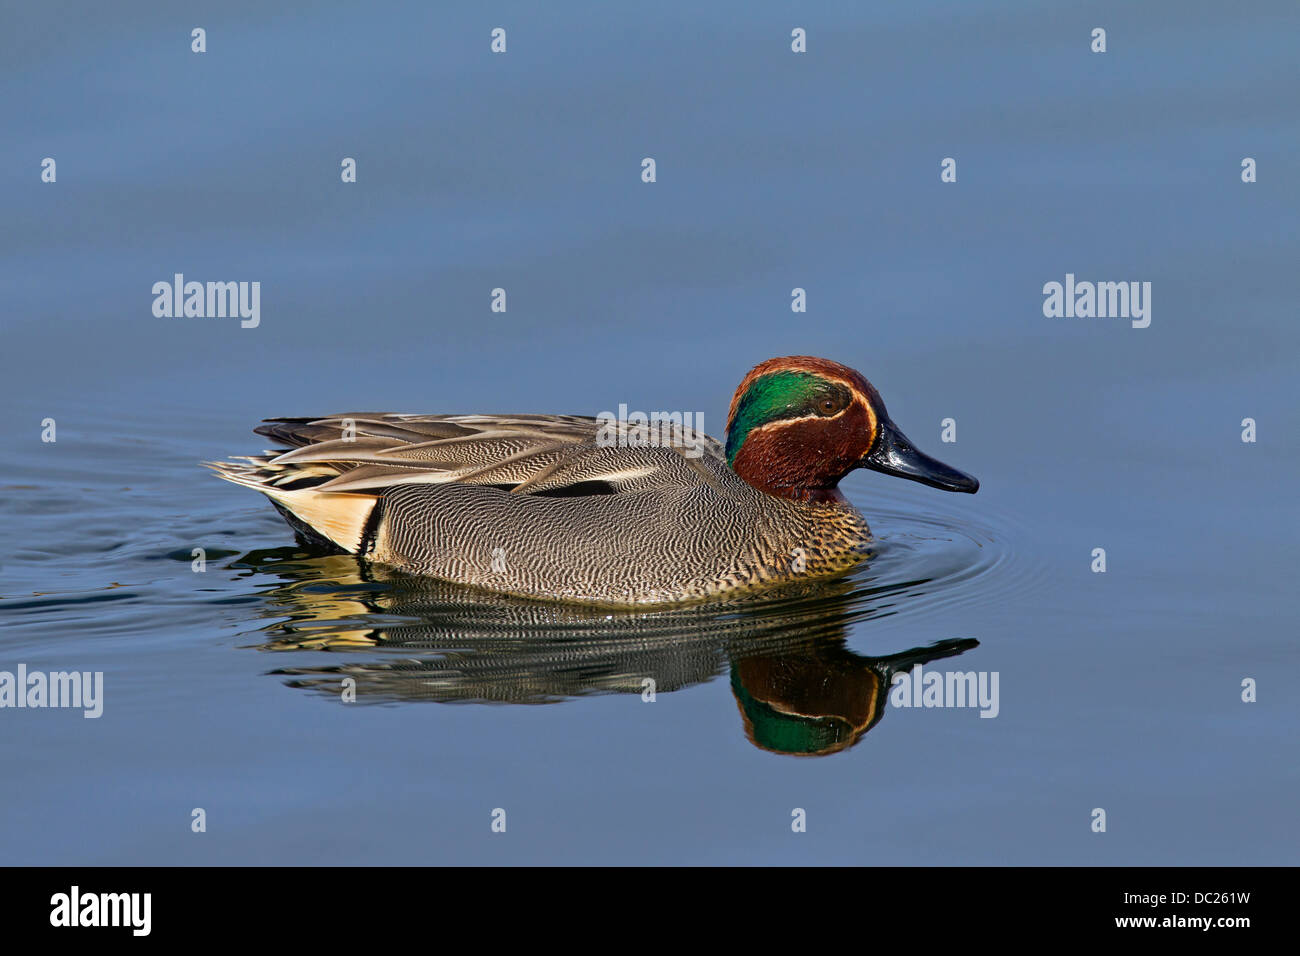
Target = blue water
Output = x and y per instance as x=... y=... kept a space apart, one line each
x=1119 y=690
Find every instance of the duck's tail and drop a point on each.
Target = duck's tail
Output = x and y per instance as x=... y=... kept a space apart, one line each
x=337 y=517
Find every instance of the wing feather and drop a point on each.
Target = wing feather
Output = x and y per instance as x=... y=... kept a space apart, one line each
x=365 y=452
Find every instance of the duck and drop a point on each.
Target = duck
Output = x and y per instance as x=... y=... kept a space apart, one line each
x=584 y=510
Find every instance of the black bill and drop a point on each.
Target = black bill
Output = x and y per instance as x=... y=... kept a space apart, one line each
x=893 y=454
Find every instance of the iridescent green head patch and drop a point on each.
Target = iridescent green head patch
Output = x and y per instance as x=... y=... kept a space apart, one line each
x=783 y=395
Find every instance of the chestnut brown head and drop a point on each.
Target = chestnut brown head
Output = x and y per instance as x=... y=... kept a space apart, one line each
x=799 y=424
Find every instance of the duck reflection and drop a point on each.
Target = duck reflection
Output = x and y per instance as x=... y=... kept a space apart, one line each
x=799 y=687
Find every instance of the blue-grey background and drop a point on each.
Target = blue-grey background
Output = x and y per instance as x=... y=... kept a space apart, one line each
x=1118 y=690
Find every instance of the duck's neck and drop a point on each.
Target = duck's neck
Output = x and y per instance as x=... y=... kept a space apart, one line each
x=792 y=478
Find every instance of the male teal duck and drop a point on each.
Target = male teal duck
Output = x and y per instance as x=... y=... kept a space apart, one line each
x=567 y=508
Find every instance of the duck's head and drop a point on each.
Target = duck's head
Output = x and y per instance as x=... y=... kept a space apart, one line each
x=799 y=424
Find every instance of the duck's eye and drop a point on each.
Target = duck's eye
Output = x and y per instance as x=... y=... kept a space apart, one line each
x=826 y=402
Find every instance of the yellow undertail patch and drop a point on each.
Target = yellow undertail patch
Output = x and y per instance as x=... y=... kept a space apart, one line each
x=340 y=517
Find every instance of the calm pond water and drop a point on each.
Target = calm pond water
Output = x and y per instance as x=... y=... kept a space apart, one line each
x=1119 y=690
